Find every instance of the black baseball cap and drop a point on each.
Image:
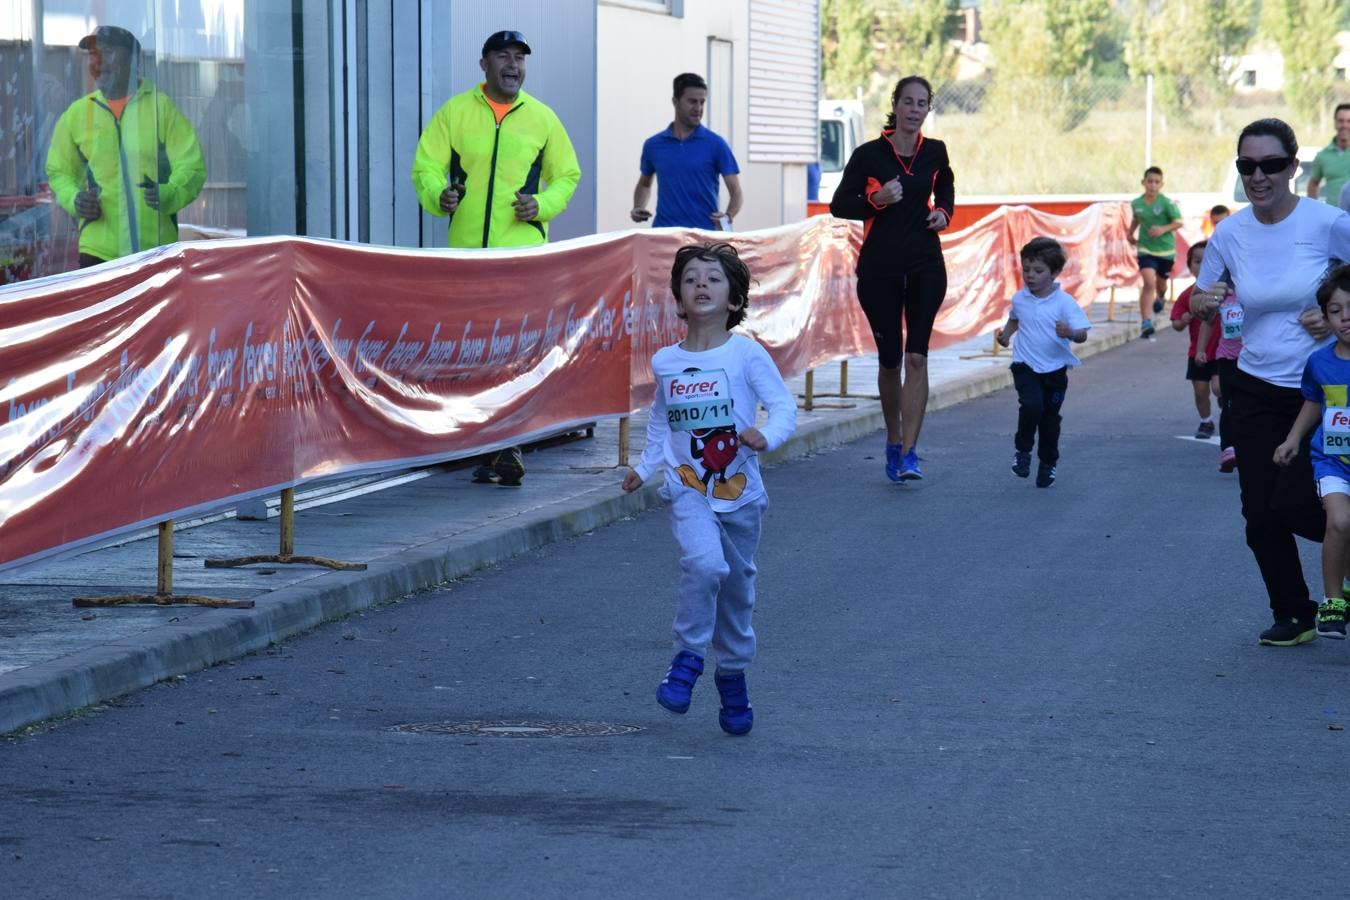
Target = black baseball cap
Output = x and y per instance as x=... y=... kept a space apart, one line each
x=502 y=39
x=110 y=36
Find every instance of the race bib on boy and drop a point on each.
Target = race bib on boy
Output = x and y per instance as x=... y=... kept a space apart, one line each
x=1336 y=430
x=696 y=400
x=1231 y=317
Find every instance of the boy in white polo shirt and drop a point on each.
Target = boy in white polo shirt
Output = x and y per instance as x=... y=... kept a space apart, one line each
x=1045 y=319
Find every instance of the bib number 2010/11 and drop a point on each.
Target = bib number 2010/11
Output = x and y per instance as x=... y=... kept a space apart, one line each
x=698 y=400
x=712 y=415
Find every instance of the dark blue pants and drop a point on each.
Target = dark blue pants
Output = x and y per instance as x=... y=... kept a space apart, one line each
x=1039 y=397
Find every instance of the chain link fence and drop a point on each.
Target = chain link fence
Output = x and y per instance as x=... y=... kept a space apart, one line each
x=1096 y=135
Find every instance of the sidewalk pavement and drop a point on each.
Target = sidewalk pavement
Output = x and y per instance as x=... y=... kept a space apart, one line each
x=436 y=526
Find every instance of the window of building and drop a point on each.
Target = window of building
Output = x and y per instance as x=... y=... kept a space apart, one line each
x=1249 y=78
x=196 y=111
x=720 y=89
x=831 y=145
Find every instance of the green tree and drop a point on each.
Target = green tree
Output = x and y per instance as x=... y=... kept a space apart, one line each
x=1045 y=53
x=845 y=46
x=913 y=37
x=1303 y=30
x=1189 y=46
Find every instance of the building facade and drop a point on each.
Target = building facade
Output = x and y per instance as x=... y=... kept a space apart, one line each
x=308 y=111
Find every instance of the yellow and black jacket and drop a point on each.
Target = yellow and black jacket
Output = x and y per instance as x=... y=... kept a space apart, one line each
x=464 y=145
x=93 y=150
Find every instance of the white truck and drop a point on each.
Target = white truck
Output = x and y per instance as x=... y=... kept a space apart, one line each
x=841 y=131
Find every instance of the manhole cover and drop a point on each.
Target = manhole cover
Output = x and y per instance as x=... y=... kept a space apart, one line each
x=518 y=729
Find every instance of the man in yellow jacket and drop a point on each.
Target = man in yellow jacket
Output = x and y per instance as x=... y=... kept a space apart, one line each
x=500 y=164
x=483 y=155
x=123 y=160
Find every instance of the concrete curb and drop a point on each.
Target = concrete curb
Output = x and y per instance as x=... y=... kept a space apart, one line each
x=43 y=691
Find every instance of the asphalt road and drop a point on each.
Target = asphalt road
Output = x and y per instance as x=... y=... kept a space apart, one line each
x=965 y=688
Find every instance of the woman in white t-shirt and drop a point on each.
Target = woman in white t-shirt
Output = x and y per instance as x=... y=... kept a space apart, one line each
x=1274 y=253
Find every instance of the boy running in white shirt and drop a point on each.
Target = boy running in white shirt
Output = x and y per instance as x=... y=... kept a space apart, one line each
x=702 y=427
x=1045 y=319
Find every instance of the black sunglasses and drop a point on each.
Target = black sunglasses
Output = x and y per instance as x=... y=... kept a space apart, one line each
x=1272 y=166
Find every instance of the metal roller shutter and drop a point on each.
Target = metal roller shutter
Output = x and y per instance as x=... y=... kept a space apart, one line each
x=784 y=79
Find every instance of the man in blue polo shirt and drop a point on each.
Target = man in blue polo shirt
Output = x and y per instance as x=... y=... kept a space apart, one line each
x=687 y=158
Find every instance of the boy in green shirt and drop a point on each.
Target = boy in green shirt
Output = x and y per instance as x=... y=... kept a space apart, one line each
x=1156 y=217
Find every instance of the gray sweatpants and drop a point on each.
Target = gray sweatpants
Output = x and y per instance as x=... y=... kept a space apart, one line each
x=717 y=578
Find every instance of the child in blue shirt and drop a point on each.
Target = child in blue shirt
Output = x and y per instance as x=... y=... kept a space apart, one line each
x=1045 y=319
x=1326 y=406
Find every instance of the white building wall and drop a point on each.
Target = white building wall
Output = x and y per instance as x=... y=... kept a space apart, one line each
x=1261 y=68
x=638 y=55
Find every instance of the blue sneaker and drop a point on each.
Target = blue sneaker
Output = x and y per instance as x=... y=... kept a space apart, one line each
x=893 y=462
x=677 y=687
x=736 y=716
x=909 y=466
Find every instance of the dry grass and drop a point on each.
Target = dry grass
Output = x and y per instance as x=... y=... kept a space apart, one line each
x=995 y=153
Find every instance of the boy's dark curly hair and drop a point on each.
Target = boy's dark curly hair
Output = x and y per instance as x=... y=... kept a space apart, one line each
x=736 y=271
x=1338 y=279
x=1046 y=250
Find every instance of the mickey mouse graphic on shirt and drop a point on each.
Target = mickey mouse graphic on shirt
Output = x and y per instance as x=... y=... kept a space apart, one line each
x=704 y=409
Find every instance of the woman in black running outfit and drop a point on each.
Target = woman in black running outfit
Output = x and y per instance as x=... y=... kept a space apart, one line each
x=901 y=186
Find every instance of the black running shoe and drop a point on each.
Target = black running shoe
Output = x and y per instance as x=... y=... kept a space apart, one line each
x=1157 y=305
x=509 y=466
x=1045 y=475
x=1146 y=329
x=484 y=475
x=1205 y=431
x=1289 y=633
x=1021 y=466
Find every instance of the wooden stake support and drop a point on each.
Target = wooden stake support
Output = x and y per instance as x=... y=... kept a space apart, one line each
x=1111 y=305
x=164 y=595
x=625 y=427
x=994 y=349
x=287 y=555
x=809 y=397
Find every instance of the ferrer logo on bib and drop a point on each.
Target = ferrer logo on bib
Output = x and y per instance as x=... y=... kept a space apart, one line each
x=1336 y=430
x=698 y=400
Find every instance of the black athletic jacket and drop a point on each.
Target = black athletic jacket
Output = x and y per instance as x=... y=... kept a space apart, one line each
x=896 y=238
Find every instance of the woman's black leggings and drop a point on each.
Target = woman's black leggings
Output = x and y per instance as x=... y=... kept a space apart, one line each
x=894 y=302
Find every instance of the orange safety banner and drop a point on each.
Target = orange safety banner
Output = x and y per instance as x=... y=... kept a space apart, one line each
x=196 y=375
x=199 y=374
x=803 y=305
x=984 y=268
